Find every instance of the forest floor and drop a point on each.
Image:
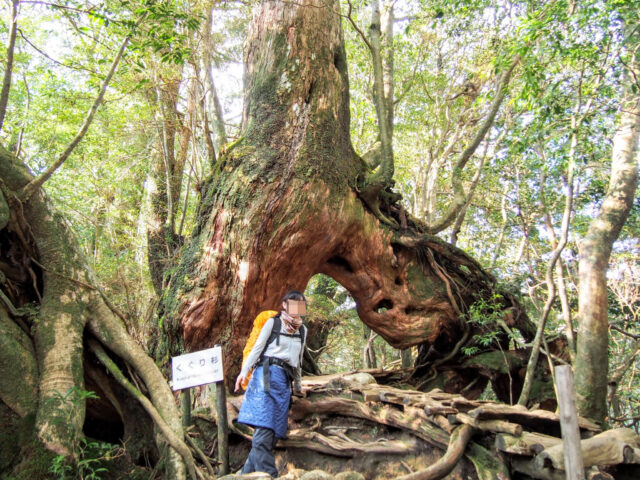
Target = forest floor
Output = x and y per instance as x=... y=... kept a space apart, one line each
x=349 y=427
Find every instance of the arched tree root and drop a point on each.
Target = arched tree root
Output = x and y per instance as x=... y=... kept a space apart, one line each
x=457 y=445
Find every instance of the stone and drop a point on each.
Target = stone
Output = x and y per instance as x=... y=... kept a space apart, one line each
x=350 y=475
x=317 y=475
x=362 y=378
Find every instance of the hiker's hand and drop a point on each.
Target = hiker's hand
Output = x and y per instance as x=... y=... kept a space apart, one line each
x=239 y=381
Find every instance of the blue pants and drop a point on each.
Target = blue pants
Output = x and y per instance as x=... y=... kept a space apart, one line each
x=261 y=458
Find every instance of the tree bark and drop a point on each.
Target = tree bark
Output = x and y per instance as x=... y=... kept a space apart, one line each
x=282 y=205
x=595 y=249
x=62 y=285
x=165 y=178
x=8 y=69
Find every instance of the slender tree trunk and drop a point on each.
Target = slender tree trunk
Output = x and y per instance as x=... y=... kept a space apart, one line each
x=595 y=249
x=368 y=352
x=215 y=109
x=165 y=180
x=8 y=69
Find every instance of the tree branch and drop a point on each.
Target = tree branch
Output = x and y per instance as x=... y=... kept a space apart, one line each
x=39 y=181
x=551 y=286
x=460 y=197
x=57 y=62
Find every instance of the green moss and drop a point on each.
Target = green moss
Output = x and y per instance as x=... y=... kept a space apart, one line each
x=495 y=361
x=10 y=428
x=487 y=465
x=421 y=284
x=34 y=461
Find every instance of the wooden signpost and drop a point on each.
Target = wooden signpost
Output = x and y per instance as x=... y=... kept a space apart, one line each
x=573 y=462
x=201 y=368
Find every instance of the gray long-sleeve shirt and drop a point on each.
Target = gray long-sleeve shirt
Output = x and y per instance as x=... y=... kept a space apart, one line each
x=290 y=349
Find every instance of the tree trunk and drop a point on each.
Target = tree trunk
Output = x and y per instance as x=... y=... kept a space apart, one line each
x=65 y=309
x=282 y=206
x=165 y=178
x=8 y=68
x=595 y=249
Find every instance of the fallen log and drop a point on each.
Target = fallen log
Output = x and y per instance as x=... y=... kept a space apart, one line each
x=529 y=443
x=607 y=448
x=380 y=414
x=345 y=447
x=528 y=467
x=495 y=426
x=535 y=419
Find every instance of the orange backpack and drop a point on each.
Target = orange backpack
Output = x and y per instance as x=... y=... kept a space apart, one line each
x=258 y=323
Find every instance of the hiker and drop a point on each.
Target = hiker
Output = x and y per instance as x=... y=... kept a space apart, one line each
x=277 y=358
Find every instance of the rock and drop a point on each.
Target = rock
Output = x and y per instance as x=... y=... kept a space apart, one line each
x=294 y=474
x=361 y=377
x=316 y=475
x=349 y=476
x=247 y=476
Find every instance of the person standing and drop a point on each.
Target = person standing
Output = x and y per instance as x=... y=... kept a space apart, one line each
x=276 y=360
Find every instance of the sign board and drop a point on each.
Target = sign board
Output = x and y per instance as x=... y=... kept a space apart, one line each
x=197 y=368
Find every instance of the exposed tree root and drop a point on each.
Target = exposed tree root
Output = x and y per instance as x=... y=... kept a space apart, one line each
x=171 y=437
x=110 y=331
x=203 y=458
x=346 y=419
x=63 y=286
x=459 y=439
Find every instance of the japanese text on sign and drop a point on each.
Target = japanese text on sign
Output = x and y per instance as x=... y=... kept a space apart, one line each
x=197 y=368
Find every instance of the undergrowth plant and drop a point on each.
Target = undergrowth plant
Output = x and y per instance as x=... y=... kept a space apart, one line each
x=87 y=459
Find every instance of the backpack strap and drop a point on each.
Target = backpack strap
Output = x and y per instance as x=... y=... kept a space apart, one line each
x=275 y=332
x=275 y=336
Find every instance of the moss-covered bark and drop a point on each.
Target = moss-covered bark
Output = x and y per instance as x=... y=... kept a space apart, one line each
x=595 y=249
x=282 y=205
x=46 y=339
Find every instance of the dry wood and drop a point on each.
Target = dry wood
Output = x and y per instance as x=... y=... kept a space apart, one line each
x=607 y=448
x=528 y=443
x=380 y=414
x=533 y=418
x=459 y=439
x=595 y=474
x=431 y=407
x=571 y=449
x=437 y=429
x=442 y=422
x=345 y=447
x=496 y=426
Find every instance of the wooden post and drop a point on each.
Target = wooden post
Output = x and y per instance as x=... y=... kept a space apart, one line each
x=223 y=428
x=185 y=401
x=573 y=463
